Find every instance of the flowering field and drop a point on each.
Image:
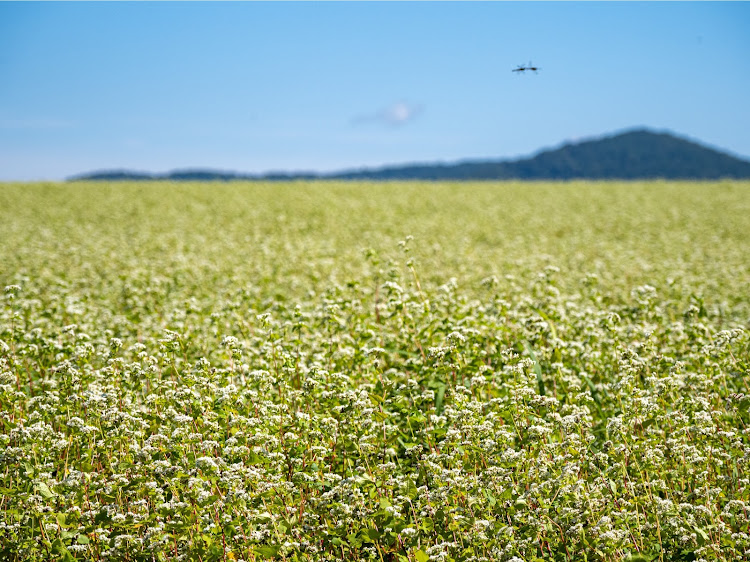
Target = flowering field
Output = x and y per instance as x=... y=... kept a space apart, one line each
x=322 y=371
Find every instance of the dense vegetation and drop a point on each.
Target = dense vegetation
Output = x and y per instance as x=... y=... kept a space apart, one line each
x=323 y=371
x=637 y=154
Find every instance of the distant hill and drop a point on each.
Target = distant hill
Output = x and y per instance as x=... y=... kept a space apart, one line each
x=635 y=154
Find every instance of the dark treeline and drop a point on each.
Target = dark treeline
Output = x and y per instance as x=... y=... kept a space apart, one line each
x=637 y=154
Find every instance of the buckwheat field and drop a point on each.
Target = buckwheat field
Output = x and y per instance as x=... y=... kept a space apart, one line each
x=396 y=372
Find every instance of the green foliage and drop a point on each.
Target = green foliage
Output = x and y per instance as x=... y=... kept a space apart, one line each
x=281 y=372
x=636 y=154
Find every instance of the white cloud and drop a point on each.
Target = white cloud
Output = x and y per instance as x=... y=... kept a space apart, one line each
x=396 y=114
x=400 y=112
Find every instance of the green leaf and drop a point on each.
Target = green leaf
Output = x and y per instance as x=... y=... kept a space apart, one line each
x=421 y=556
x=64 y=554
x=267 y=551
x=613 y=486
x=703 y=537
x=374 y=534
x=411 y=488
x=537 y=368
x=417 y=418
x=364 y=480
x=44 y=491
x=102 y=517
x=490 y=498
x=354 y=540
x=439 y=399
x=379 y=416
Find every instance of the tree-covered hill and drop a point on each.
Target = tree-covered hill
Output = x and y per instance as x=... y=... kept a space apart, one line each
x=635 y=154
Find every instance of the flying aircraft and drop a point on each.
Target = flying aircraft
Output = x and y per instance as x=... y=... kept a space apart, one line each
x=525 y=67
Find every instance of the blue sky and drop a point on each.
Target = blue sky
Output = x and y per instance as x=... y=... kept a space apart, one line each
x=255 y=87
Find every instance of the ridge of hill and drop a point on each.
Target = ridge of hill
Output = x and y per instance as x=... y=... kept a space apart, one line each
x=628 y=155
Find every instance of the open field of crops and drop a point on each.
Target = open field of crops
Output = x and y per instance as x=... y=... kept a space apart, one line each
x=396 y=372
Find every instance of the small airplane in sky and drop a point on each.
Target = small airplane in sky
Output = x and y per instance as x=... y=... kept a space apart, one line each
x=525 y=67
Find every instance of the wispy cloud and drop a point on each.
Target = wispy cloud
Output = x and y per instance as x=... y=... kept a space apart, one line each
x=396 y=114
